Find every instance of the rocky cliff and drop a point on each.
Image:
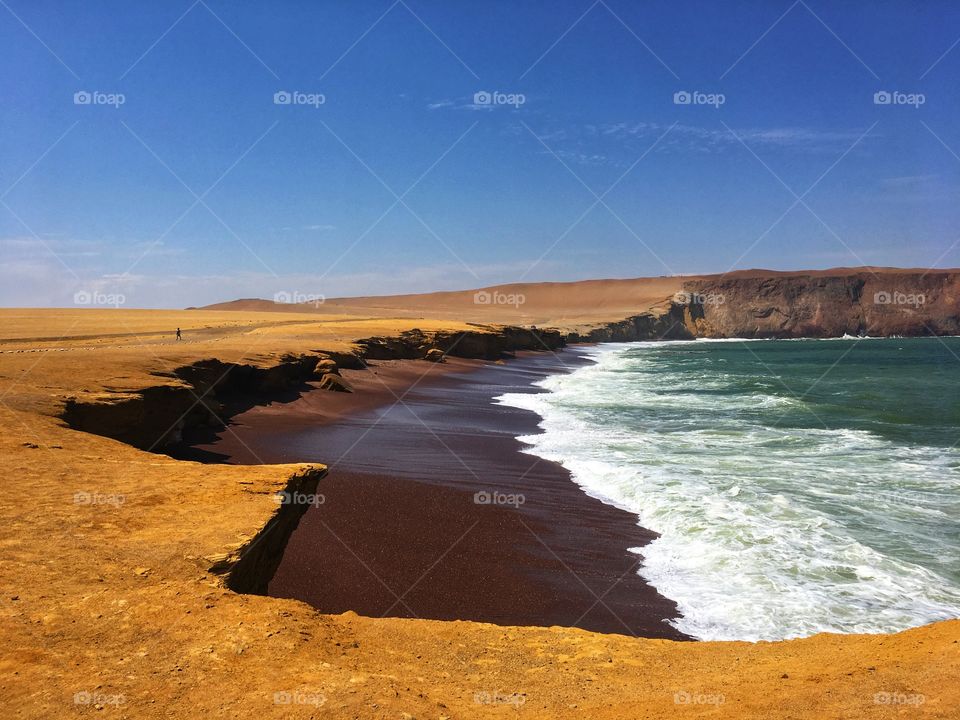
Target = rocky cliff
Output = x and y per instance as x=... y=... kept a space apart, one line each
x=156 y=417
x=206 y=393
x=782 y=305
x=486 y=343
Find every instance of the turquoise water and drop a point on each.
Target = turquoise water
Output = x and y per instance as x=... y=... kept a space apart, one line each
x=797 y=486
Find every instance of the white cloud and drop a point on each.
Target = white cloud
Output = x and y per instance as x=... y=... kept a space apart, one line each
x=721 y=137
x=593 y=144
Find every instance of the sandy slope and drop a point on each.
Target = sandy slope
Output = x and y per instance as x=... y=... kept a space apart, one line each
x=556 y=304
x=106 y=589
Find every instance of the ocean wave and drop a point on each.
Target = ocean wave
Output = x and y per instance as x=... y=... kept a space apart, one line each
x=766 y=531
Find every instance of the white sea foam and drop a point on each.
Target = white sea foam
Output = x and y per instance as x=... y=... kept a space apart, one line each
x=766 y=532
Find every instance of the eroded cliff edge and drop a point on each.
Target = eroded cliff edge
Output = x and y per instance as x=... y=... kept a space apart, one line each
x=204 y=394
x=909 y=303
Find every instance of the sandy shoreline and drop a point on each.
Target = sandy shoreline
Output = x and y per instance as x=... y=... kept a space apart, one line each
x=400 y=509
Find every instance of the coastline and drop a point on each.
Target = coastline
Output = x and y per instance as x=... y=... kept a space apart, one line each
x=123 y=588
x=400 y=510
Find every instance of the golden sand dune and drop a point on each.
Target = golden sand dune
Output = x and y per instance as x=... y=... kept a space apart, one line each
x=109 y=602
x=560 y=304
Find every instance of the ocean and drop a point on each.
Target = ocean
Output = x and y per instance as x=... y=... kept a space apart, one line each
x=797 y=486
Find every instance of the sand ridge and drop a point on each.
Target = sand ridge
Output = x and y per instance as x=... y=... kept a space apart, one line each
x=108 y=600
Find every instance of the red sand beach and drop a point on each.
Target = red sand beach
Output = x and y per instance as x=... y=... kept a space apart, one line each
x=399 y=532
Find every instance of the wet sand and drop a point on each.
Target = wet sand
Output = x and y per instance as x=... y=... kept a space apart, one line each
x=422 y=513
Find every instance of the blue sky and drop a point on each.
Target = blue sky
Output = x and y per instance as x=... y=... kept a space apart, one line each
x=199 y=187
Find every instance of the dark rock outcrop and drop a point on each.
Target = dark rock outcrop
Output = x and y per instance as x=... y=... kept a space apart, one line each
x=795 y=305
x=669 y=323
x=486 y=343
x=861 y=303
x=326 y=367
x=334 y=383
x=344 y=360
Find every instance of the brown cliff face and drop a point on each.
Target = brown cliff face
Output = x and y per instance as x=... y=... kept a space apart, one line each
x=861 y=303
x=669 y=323
x=488 y=343
x=210 y=391
x=156 y=417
